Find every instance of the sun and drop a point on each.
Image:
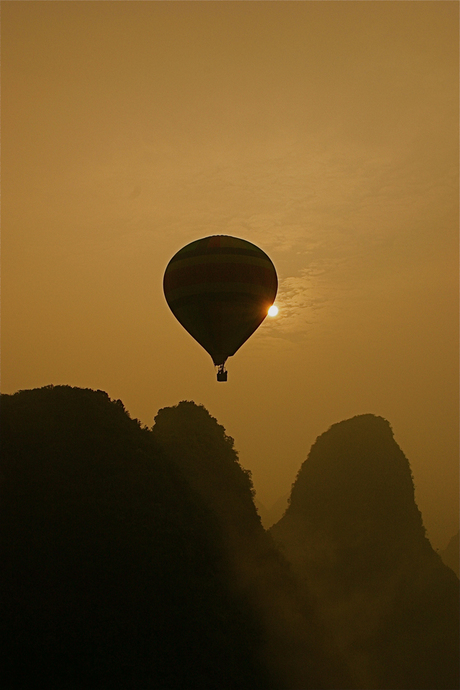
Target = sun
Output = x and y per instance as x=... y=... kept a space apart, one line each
x=273 y=310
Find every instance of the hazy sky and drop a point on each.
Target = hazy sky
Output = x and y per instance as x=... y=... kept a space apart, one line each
x=324 y=132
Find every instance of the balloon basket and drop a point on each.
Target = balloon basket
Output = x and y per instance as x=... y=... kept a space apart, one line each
x=221 y=373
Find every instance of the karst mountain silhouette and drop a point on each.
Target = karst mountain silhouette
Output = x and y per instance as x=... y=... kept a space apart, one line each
x=356 y=540
x=135 y=558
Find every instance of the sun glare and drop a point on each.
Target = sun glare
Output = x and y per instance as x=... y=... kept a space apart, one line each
x=273 y=310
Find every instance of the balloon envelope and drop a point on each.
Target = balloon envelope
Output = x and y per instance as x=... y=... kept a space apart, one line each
x=220 y=289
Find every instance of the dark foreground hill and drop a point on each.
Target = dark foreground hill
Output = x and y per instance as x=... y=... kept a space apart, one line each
x=355 y=538
x=114 y=572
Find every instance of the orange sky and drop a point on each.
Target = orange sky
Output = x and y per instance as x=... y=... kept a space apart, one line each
x=324 y=132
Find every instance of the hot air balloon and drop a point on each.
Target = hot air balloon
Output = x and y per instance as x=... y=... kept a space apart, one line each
x=220 y=289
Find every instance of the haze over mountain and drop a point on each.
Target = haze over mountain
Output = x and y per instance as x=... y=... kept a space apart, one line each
x=276 y=511
x=356 y=539
x=135 y=558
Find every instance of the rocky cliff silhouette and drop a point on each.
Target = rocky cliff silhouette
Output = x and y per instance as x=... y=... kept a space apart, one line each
x=355 y=538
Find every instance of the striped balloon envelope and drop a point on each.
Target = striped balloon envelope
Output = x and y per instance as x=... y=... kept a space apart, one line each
x=220 y=289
